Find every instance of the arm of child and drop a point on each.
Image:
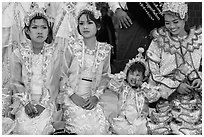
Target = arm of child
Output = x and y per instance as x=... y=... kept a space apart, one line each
x=116 y=82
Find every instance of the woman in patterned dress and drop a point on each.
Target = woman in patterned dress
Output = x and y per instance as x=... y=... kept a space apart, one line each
x=174 y=58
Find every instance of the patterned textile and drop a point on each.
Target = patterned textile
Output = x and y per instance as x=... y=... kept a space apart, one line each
x=172 y=61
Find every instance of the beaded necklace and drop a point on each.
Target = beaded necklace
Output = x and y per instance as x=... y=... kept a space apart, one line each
x=101 y=52
x=90 y=52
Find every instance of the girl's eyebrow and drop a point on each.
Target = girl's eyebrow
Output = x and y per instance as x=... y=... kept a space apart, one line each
x=38 y=25
x=172 y=20
x=90 y=20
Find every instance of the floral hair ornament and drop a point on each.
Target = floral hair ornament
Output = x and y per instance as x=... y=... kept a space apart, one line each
x=88 y=6
x=139 y=58
x=177 y=7
x=38 y=12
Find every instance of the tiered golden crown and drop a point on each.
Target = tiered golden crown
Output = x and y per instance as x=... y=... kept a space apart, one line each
x=37 y=12
x=177 y=7
x=88 y=6
x=139 y=58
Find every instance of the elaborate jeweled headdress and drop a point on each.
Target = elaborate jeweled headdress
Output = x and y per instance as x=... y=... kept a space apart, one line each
x=139 y=58
x=87 y=6
x=38 y=12
x=177 y=7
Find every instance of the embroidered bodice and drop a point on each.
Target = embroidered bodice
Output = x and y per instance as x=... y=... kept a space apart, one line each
x=36 y=70
x=176 y=58
x=86 y=74
x=37 y=79
x=102 y=51
x=82 y=63
x=184 y=49
x=88 y=64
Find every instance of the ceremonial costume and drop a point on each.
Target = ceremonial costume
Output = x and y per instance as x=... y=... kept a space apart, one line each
x=175 y=60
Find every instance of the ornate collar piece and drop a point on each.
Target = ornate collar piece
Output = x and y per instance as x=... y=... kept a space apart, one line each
x=102 y=51
x=171 y=45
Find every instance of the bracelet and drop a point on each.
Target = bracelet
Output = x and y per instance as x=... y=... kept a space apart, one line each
x=69 y=91
x=24 y=103
x=99 y=93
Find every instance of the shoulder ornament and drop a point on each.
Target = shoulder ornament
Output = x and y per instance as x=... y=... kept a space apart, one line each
x=171 y=44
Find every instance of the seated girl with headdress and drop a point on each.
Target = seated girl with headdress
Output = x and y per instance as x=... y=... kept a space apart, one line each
x=33 y=76
x=134 y=95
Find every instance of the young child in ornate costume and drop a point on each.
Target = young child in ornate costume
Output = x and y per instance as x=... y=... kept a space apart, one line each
x=84 y=77
x=174 y=58
x=34 y=67
x=134 y=95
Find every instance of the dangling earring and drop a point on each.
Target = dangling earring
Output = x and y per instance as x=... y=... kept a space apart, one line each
x=98 y=28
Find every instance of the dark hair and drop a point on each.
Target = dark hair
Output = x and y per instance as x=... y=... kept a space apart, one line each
x=50 y=31
x=105 y=9
x=137 y=66
x=90 y=15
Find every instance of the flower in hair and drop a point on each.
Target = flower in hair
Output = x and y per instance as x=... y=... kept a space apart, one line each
x=90 y=6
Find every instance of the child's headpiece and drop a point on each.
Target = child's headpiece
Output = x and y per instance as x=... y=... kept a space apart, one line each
x=177 y=7
x=139 y=58
x=87 y=6
x=38 y=12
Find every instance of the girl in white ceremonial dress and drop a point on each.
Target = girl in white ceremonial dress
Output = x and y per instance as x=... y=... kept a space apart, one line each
x=34 y=82
x=85 y=77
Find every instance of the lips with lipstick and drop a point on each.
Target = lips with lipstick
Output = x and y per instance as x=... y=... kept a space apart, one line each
x=39 y=36
x=85 y=32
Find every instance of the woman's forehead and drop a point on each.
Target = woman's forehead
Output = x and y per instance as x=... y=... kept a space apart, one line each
x=171 y=15
x=38 y=22
x=84 y=17
x=134 y=71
